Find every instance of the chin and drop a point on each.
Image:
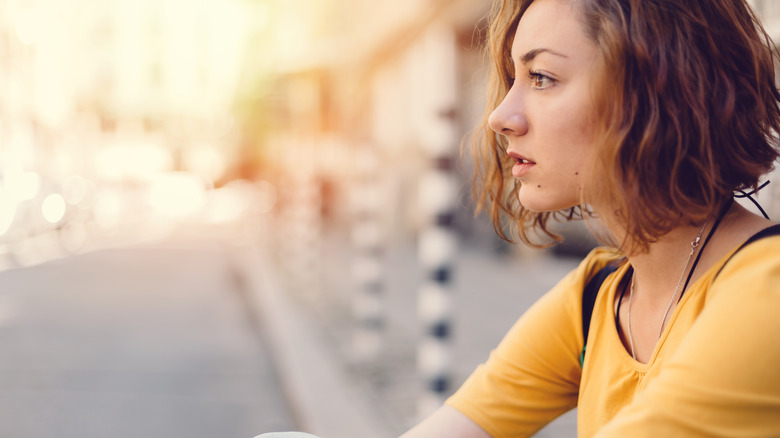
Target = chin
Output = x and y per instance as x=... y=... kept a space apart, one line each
x=543 y=202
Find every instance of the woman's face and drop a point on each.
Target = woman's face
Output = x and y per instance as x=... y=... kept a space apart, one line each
x=548 y=114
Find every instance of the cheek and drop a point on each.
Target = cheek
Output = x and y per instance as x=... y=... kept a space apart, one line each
x=566 y=132
x=572 y=144
x=581 y=135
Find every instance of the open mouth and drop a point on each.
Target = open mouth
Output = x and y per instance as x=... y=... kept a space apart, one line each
x=519 y=159
x=522 y=165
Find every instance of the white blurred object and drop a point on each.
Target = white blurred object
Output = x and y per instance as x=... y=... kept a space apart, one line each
x=437 y=247
x=438 y=137
x=177 y=195
x=433 y=357
x=227 y=204
x=434 y=303
x=23 y=185
x=133 y=161
x=53 y=208
x=438 y=192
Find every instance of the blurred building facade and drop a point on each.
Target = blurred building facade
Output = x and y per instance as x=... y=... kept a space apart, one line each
x=114 y=114
x=377 y=81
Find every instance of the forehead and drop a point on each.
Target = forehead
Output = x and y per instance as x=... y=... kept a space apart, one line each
x=553 y=25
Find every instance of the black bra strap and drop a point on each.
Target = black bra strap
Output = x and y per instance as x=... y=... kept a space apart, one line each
x=624 y=285
x=589 y=295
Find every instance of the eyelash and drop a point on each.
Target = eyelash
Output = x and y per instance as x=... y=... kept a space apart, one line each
x=537 y=77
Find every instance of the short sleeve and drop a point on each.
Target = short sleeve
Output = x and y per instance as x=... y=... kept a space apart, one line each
x=723 y=380
x=533 y=375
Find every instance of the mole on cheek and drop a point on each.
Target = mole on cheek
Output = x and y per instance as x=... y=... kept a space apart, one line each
x=576 y=173
x=539 y=186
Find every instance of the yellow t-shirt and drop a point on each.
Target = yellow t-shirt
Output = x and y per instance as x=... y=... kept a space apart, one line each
x=714 y=372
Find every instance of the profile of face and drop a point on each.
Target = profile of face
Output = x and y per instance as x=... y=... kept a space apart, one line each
x=547 y=115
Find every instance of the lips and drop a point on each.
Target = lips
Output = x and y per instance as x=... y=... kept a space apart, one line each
x=519 y=158
x=523 y=165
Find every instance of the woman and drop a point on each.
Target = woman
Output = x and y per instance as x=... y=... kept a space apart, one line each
x=649 y=115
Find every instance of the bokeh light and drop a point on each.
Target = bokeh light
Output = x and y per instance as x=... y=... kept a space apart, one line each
x=53 y=208
x=177 y=195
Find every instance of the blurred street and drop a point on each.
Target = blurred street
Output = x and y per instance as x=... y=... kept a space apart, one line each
x=152 y=341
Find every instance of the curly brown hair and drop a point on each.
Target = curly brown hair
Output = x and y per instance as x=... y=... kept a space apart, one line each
x=695 y=119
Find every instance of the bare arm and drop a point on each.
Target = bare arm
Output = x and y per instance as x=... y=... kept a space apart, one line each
x=446 y=422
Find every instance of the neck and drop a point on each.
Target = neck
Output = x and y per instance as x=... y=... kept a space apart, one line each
x=667 y=262
x=659 y=269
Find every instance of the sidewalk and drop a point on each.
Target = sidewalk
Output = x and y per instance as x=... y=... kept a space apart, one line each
x=311 y=331
x=147 y=341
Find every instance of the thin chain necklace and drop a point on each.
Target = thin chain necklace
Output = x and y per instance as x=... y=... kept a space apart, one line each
x=694 y=245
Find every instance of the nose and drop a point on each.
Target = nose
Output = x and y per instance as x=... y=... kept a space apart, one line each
x=509 y=117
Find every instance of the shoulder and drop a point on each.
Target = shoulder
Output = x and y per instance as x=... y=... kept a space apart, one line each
x=760 y=250
x=753 y=266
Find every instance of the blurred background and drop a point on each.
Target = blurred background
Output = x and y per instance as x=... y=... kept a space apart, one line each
x=170 y=170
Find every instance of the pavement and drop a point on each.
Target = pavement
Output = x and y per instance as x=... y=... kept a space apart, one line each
x=155 y=341
x=229 y=337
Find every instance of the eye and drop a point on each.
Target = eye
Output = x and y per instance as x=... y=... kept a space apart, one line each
x=540 y=81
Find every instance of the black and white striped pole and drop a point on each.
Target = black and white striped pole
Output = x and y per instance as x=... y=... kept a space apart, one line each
x=367 y=239
x=437 y=249
x=438 y=192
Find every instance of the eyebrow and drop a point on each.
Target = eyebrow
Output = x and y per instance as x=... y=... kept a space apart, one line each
x=530 y=55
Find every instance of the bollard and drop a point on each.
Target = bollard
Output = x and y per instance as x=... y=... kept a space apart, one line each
x=367 y=239
x=437 y=249
x=438 y=64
